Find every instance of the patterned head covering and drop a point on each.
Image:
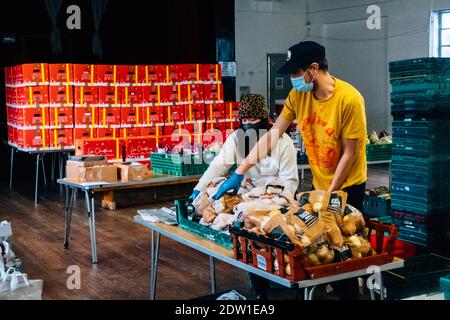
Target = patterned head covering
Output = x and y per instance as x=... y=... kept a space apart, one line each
x=253 y=106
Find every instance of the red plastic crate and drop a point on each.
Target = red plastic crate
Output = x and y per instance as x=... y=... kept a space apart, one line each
x=109 y=95
x=32 y=95
x=109 y=132
x=213 y=92
x=210 y=73
x=105 y=73
x=85 y=95
x=60 y=73
x=156 y=130
x=215 y=112
x=401 y=249
x=140 y=147
x=152 y=115
x=82 y=132
x=195 y=93
x=109 y=147
x=109 y=116
x=155 y=95
x=130 y=74
x=232 y=111
x=130 y=96
x=86 y=115
x=130 y=132
x=60 y=95
x=31 y=74
x=61 y=116
x=84 y=74
x=32 y=116
x=194 y=113
x=32 y=138
x=130 y=115
x=174 y=115
x=61 y=138
x=178 y=94
x=155 y=74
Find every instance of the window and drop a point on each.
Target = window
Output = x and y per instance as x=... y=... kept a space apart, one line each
x=441 y=39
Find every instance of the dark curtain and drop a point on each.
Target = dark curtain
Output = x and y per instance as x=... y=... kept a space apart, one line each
x=53 y=8
x=98 y=9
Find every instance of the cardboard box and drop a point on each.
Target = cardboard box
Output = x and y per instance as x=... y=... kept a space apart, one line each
x=195 y=93
x=130 y=115
x=86 y=116
x=61 y=116
x=174 y=115
x=178 y=94
x=194 y=113
x=109 y=116
x=31 y=116
x=31 y=74
x=156 y=95
x=87 y=161
x=105 y=73
x=10 y=95
x=111 y=148
x=151 y=116
x=130 y=96
x=8 y=75
x=130 y=132
x=11 y=138
x=103 y=173
x=32 y=96
x=32 y=138
x=140 y=147
x=213 y=93
x=85 y=96
x=60 y=96
x=155 y=74
x=84 y=74
x=215 y=133
x=154 y=130
x=109 y=96
x=60 y=73
x=215 y=112
x=232 y=111
x=132 y=172
x=130 y=74
x=210 y=73
x=108 y=132
x=61 y=138
x=84 y=132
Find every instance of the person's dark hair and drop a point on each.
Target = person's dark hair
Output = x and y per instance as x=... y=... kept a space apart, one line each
x=323 y=65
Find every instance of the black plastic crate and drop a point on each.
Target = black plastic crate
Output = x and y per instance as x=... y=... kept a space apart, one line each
x=421 y=65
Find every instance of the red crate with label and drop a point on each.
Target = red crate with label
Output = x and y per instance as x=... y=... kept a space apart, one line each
x=108 y=132
x=210 y=73
x=60 y=73
x=156 y=130
x=178 y=94
x=140 y=147
x=214 y=133
x=26 y=117
x=194 y=113
x=109 y=116
x=215 y=112
x=155 y=95
x=155 y=74
x=152 y=115
x=87 y=115
x=130 y=132
x=81 y=132
x=130 y=96
x=130 y=115
x=195 y=93
x=130 y=74
x=32 y=138
x=232 y=111
x=213 y=92
x=111 y=148
x=61 y=138
x=61 y=116
x=31 y=74
x=60 y=95
x=109 y=95
x=84 y=74
x=174 y=115
x=105 y=73
x=85 y=96
x=32 y=96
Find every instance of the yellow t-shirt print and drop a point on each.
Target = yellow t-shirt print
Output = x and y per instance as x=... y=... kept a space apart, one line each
x=324 y=124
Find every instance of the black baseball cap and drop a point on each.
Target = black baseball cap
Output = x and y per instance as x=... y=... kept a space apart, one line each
x=302 y=53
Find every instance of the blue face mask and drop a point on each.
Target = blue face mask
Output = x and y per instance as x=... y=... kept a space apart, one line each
x=300 y=84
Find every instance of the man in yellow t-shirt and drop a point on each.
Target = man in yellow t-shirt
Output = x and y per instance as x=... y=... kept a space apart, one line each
x=331 y=117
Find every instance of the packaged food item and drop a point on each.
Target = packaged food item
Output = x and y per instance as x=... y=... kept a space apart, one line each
x=353 y=221
x=307 y=226
x=335 y=202
x=333 y=233
x=222 y=221
x=342 y=254
x=313 y=198
x=278 y=229
x=226 y=203
x=359 y=246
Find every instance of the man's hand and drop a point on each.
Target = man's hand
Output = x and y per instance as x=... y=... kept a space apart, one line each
x=232 y=183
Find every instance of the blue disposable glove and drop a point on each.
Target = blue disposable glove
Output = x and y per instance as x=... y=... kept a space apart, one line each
x=194 y=195
x=232 y=183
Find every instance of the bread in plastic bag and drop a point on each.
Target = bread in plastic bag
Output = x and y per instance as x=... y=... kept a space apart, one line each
x=359 y=245
x=353 y=221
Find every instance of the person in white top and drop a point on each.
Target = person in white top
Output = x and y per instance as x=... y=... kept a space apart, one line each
x=281 y=163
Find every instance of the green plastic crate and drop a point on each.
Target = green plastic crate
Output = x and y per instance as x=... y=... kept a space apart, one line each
x=194 y=226
x=376 y=206
x=445 y=286
x=378 y=152
x=180 y=164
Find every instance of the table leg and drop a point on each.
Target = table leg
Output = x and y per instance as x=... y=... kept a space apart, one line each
x=303 y=174
x=212 y=273
x=11 y=168
x=154 y=262
x=90 y=202
x=52 y=170
x=381 y=287
x=311 y=293
x=306 y=294
x=43 y=170
x=37 y=179
x=69 y=210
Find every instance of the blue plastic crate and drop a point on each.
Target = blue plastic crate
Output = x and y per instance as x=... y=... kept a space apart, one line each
x=420 y=147
x=376 y=206
x=445 y=286
x=419 y=66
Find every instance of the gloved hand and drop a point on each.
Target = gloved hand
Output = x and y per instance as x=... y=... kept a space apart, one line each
x=232 y=183
x=194 y=195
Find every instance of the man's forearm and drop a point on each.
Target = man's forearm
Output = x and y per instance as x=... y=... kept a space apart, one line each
x=342 y=171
